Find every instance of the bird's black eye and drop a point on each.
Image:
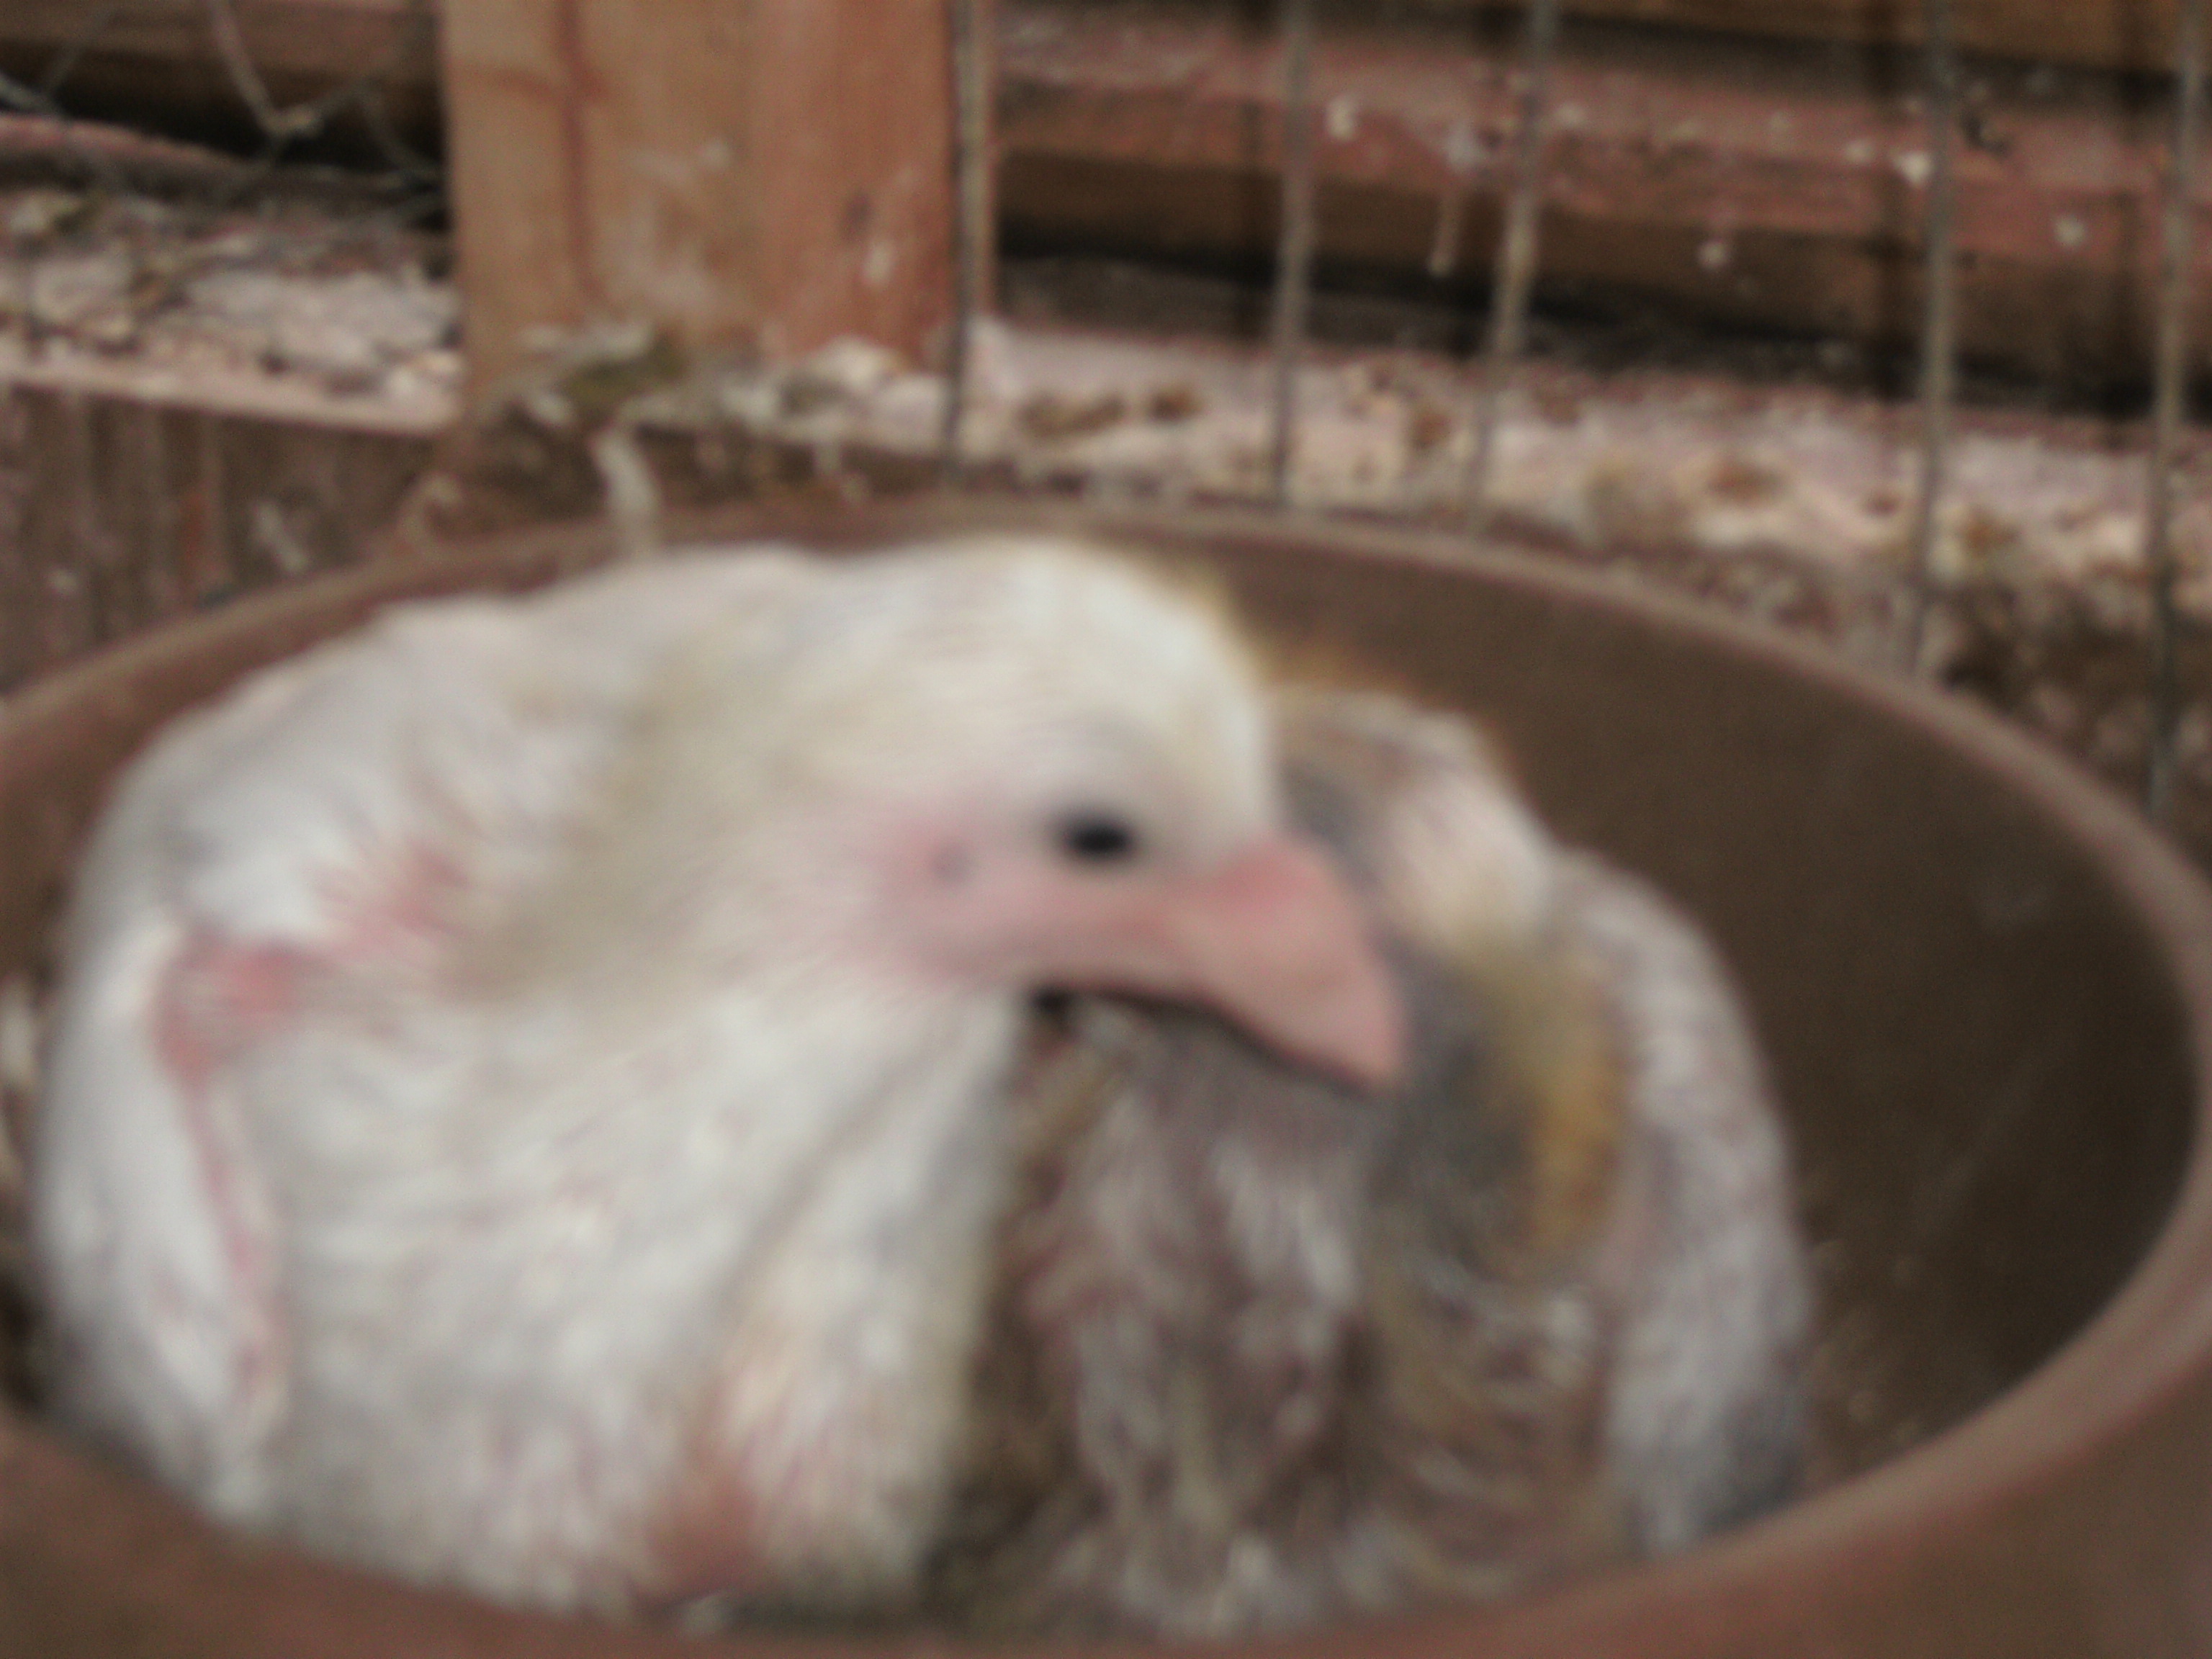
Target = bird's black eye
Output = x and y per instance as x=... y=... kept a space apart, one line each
x=1095 y=836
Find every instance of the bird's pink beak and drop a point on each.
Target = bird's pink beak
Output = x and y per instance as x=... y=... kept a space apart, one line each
x=1273 y=940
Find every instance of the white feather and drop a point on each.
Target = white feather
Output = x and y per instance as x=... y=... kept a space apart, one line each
x=539 y=985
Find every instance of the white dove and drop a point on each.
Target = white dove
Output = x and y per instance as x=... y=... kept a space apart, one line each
x=524 y=1095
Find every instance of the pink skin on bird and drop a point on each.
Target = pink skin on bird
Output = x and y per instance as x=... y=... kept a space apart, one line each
x=1274 y=941
x=1269 y=937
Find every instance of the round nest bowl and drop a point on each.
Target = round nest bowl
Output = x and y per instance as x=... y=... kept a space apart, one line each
x=1984 y=988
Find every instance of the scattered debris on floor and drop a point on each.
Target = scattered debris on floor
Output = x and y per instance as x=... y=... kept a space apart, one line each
x=288 y=300
x=1789 y=503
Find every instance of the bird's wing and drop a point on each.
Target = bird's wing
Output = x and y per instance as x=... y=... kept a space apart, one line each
x=347 y=812
x=1706 y=1415
x=1638 y=1043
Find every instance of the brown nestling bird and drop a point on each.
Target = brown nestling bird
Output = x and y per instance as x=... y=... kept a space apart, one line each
x=526 y=1100
x=1268 y=1351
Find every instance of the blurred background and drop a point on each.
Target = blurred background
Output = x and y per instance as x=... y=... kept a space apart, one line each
x=1846 y=316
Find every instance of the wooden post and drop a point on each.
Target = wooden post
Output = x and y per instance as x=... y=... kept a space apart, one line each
x=763 y=174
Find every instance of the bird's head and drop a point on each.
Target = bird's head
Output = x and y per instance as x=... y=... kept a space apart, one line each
x=1019 y=764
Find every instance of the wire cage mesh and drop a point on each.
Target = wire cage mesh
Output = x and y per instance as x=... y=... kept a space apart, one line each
x=1492 y=146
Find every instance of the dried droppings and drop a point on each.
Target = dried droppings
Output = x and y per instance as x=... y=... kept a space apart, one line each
x=1053 y=418
x=1168 y=405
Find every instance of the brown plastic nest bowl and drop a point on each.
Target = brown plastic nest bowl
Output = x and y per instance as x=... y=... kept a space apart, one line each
x=1987 y=991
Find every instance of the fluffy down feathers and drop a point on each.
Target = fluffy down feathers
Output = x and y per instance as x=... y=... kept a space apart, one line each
x=1266 y=1351
x=523 y=1104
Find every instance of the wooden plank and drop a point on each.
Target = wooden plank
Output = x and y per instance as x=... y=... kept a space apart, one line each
x=1731 y=183
x=2124 y=34
x=163 y=52
x=283 y=37
x=119 y=510
x=758 y=175
x=1748 y=183
x=157 y=61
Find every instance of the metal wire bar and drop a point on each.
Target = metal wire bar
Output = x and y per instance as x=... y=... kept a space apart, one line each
x=402 y=157
x=1514 y=277
x=1939 y=319
x=972 y=219
x=363 y=95
x=2171 y=370
x=276 y=123
x=41 y=100
x=26 y=101
x=399 y=154
x=281 y=127
x=1294 y=247
x=63 y=63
